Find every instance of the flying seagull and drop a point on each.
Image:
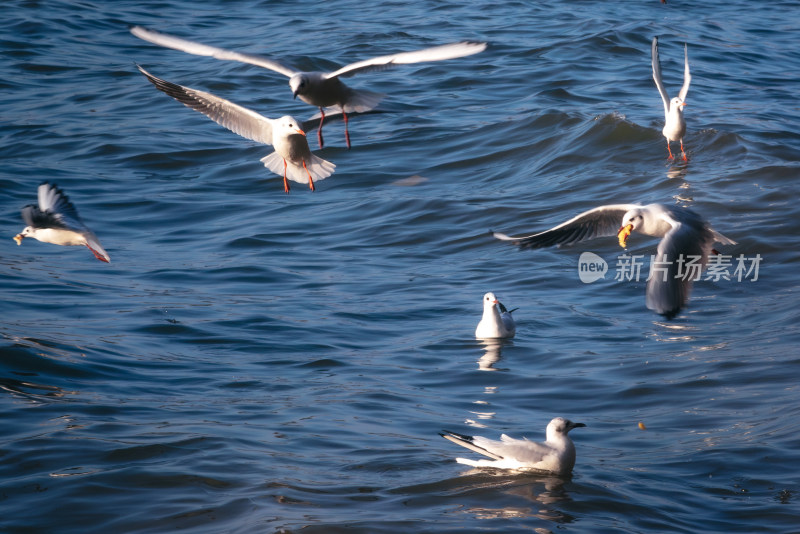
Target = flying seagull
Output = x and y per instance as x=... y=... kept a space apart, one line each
x=686 y=237
x=292 y=156
x=320 y=89
x=55 y=220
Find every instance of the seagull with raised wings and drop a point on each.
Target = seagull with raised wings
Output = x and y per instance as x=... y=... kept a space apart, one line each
x=674 y=123
x=320 y=89
x=292 y=157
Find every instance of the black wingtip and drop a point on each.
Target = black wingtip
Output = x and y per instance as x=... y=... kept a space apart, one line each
x=456 y=435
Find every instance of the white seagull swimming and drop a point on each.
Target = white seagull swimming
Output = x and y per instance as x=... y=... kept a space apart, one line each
x=556 y=454
x=674 y=123
x=496 y=321
x=292 y=156
x=55 y=220
x=320 y=89
x=686 y=243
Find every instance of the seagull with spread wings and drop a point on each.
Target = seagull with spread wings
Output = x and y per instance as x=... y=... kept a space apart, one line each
x=292 y=156
x=320 y=89
x=685 y=237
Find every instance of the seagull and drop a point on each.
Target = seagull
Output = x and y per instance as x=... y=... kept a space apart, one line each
x=292 y=156
x=320 y=89
x=687 y=240
x=496 y=321
x=55 y=220
x=556 y=454
x=674 y=124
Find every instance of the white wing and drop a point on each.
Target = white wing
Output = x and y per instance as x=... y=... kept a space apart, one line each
x=657 y=76
x=169 y=41
x=232 y=116
x=522 y=450
x=687 y=78
x=437 y=53
x=597 y=222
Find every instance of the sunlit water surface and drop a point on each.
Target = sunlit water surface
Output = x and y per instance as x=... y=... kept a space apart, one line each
x=252 y=361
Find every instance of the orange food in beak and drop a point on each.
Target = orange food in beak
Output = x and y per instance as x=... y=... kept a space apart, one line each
x=18 y=238
x=623 y=234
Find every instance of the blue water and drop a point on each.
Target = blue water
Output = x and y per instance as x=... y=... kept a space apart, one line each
x=252 y=361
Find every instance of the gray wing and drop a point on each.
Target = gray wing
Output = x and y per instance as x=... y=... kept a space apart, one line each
x=232 y=116
x=598 y=222
x=687 y=78
x=670 y=280
x=54 y=210
x=522 y=450
x=437 y=53
x=176 y=43
x=469 y=443
x=657 y=76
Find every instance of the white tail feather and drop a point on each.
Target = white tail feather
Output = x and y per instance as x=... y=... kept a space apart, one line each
x=318 y=167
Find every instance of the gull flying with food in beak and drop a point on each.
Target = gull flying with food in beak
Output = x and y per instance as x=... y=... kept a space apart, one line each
x=686 y=236
x=55 y=220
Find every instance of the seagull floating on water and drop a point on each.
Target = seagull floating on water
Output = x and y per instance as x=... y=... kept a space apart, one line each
x=320 y=89
x=292 y=156
x=496 y=321
x=686 y=237
x=556 y=454
x=55 y=220
x=674 y=123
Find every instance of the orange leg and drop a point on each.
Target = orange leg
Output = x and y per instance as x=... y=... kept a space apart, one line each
x=682 y=152
x=285 y=183
x=346 y=133
x=310 y=180
x=319 y=130
x=670 y=151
